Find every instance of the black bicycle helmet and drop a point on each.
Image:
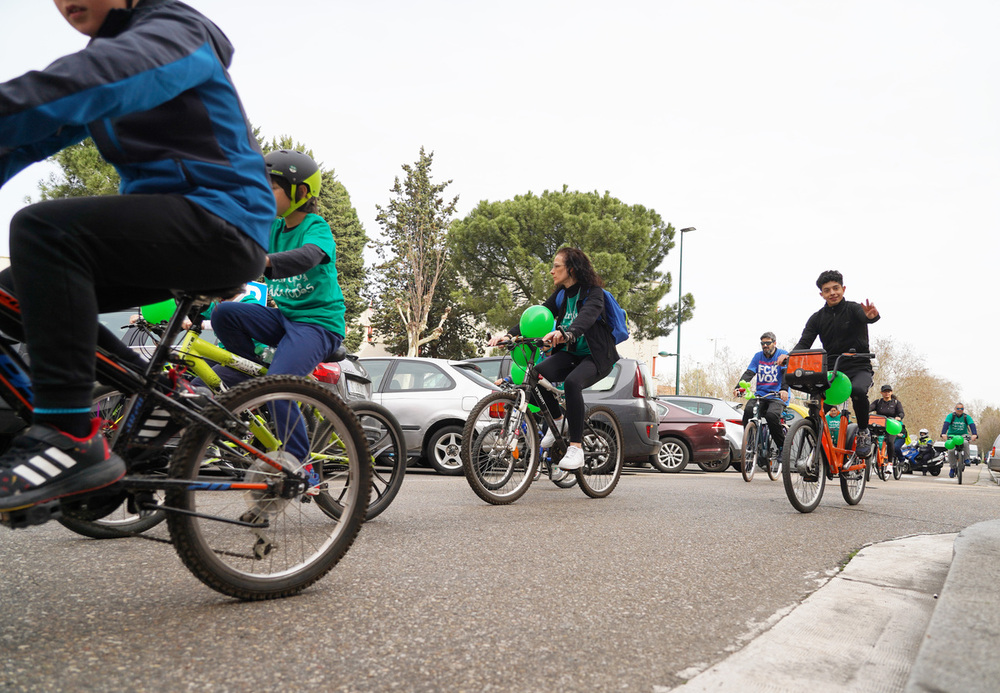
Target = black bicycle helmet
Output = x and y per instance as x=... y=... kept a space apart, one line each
x=296 y=168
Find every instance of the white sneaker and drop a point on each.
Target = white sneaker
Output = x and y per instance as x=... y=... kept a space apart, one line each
x=550 y=436
x=573 y=459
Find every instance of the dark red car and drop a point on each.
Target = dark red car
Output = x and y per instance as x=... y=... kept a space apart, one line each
x=689 y=437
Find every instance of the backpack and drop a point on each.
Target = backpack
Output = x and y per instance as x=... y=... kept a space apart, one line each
x=614 y=316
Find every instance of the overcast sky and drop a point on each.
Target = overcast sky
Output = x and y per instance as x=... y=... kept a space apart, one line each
x=796 y=136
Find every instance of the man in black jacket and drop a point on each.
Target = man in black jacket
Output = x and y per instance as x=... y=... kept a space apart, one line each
x=891 y=408
x=842 y=326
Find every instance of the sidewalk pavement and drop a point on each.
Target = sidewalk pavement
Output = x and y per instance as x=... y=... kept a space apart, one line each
x=919 y=614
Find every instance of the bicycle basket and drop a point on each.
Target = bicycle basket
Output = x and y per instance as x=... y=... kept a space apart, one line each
x=806 y=370
x=874 y=420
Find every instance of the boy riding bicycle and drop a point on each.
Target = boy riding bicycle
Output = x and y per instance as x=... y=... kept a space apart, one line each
x=301 y=274
x=764 y=365
x=842 y=326
x=152 y=90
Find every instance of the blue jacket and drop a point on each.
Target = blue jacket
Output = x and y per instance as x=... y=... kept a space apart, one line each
x=153 y=91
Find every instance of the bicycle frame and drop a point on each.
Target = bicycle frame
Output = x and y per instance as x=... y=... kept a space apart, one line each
x=140 y=386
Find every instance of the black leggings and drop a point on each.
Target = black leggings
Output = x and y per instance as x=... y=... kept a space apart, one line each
x=576 y=374
x=73 y=258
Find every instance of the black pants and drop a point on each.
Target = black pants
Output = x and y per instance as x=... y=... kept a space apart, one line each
x=771 y=408
x=576 y=374
x=76 y=257
x=861 y=382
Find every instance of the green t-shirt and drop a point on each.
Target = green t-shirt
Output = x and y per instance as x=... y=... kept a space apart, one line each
x=580 y=347
x=958 y=426
x=315 y=296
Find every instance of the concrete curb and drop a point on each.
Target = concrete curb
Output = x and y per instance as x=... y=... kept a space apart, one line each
x=960 y=649
x=859 y=632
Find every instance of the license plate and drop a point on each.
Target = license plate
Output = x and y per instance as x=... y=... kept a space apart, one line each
x=355 y=388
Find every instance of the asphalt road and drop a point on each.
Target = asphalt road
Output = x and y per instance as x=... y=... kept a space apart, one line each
x=557 y=592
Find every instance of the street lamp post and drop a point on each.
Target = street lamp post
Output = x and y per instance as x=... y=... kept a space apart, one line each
x=680 y=298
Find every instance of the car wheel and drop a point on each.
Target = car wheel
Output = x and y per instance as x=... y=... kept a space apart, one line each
x=444 y=450
x=715 y=465
x=735 y=459
x=673 y=456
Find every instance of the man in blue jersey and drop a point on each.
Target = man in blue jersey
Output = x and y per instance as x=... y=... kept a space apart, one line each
x=151 y=88
x=770 y=381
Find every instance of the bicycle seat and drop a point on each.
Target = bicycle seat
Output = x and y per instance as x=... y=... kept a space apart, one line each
x=339 y=354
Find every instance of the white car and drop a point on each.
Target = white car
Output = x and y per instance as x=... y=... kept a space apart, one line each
x=431 y=399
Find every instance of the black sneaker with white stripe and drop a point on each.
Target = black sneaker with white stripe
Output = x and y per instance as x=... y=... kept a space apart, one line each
x=44 y=464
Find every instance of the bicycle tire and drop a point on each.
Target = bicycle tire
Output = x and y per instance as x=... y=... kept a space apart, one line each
x=959 y=467
x=502 y=468
x=603 y=452
x=749 y=451
x=852 y=484
x=774 y=462
x=297 y=542
x=387 y=446
x=897 y=469
x=106 y=516
x=880 y=456
x=803 y=469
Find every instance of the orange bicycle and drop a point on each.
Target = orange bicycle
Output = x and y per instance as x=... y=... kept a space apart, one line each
x=810 y=456
x=880 y=427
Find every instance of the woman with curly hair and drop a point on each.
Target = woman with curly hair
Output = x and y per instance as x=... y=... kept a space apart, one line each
x=583 y=348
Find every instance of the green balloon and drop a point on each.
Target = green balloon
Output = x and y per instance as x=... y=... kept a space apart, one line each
x=839 y=390
x=517 y=374
x=159 y=312
x=957 y=441
x=893 y=427
x=536 y=322
x=522 y=353
x=949 y=444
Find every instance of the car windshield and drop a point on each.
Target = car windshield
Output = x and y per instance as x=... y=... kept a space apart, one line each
x=470 y=372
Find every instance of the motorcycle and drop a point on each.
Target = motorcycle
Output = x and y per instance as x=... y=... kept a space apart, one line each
x=923 y=458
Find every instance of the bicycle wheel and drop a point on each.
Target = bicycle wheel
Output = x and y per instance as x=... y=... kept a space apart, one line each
x=388 y=450
x=774 y=463
x=749 y=451
x=852 y=484
x=879 y=457
x=603 y=454
x=803 y=470
x=263 y=544
x=499 y=449
x=959 y=467
x=107 y=516
x=897 y=469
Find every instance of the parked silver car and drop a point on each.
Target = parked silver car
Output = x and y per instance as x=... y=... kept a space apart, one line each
x=431 y=398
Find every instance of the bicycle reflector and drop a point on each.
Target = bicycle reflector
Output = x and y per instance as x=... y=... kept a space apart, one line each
x=328 y=373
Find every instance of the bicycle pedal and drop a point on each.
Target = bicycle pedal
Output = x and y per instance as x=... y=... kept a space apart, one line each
x=35 y=515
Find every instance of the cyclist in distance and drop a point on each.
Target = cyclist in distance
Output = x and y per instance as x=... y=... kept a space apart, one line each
x=583 y=346
x=152 y=89
x=841 y=326
x=958 y=423
x=889 y=406
x=770 y=380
